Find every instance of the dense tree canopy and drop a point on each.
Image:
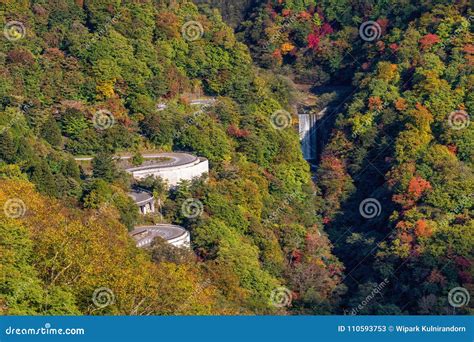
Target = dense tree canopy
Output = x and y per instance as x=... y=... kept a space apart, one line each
x=100 y=78
x=87 y=79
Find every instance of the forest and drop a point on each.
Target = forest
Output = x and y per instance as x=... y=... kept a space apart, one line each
x=380 y=224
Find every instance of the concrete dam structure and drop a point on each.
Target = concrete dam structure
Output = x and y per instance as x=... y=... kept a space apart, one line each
x=309 y=131
x=174 y=235
x=174 y=167
x=307 y=135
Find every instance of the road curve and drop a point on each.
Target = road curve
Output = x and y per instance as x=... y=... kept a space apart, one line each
x=173 y=159
x=177 y=159
x=175 y=235
x=140 y=196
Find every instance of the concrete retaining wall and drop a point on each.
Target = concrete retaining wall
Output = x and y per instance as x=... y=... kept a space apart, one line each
x=173 y=174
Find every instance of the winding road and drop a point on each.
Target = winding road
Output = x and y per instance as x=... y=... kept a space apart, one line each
x=175 y=235
x=177 y=158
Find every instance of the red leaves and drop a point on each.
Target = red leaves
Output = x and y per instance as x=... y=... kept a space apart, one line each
x=314 y=38
x=325 y=29
x=236 y=132
x=394 y=47
x=429 y=40
x=417 y=187
x=277 y=53
x=296 y=256
x=313 y=41
x=452 y=149
x=383 y=23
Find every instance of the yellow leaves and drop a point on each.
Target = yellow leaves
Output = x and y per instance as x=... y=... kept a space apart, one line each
x=387 y=71
x=83 y=251
x=286 y=47
x=105 y=90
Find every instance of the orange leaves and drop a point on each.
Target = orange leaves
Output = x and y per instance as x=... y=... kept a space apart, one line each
x=236 y=132
x=417 y=187
x=305 y=15
x=286 y=48
x=469 y=49
x=422 y=229
x=375 y=103
x=401 y=104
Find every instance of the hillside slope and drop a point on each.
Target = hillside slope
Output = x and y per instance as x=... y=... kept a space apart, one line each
x=87 y=78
